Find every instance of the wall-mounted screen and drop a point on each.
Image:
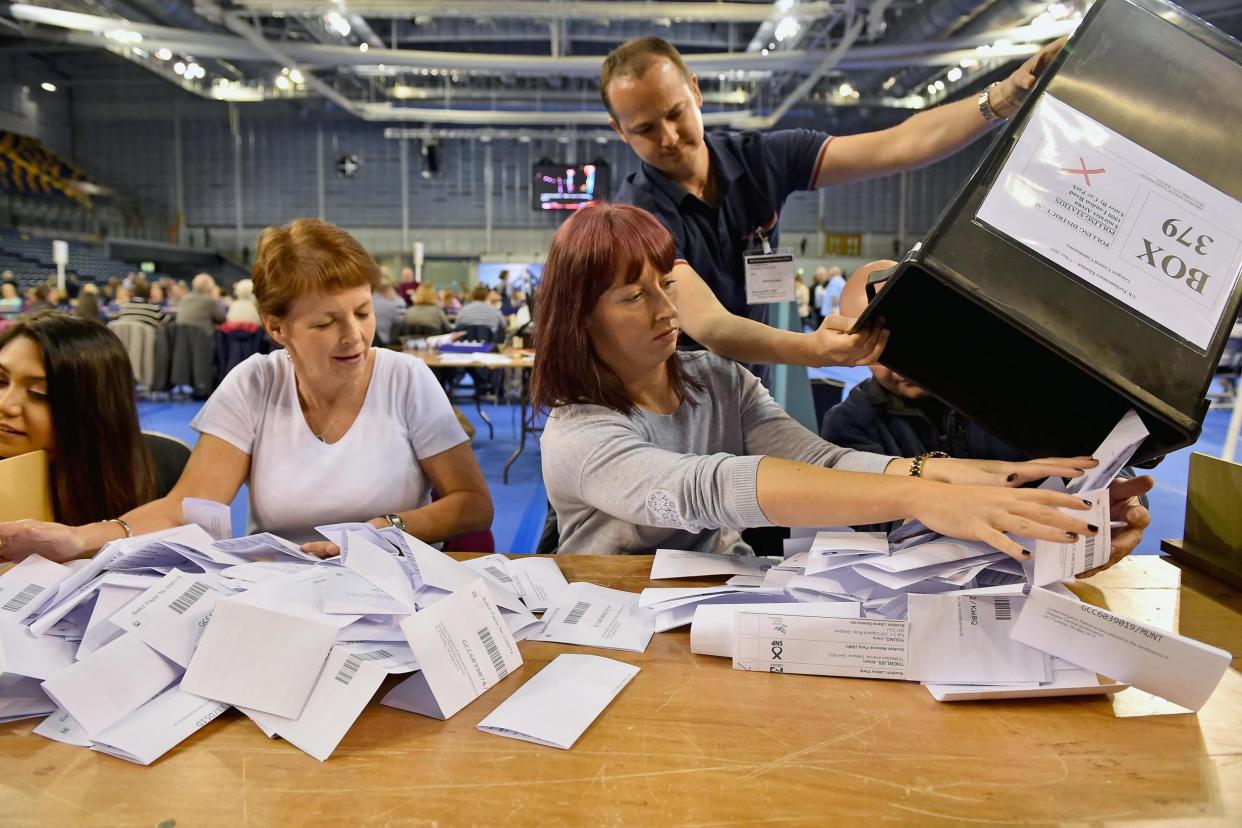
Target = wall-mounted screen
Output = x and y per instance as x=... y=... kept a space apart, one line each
x=560 y=186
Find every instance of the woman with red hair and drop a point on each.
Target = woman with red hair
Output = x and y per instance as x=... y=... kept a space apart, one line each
x=647 y=446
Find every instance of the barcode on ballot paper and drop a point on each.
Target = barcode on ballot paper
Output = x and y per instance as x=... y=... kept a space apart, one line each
x=373 y=655
x=1090 y=551
x=22 y=598
x=1004 y=612
x=493 y=652
x=348 y=670
x=188 y=598
x=498 y=573
x=579 y=610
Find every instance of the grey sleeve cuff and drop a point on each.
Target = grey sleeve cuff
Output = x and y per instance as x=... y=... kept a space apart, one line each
x=864 y=461
x=741 y=477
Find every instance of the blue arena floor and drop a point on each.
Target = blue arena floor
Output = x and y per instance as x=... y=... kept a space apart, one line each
x=521 y=504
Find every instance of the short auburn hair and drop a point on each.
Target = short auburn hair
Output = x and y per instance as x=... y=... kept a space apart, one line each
x=588 y=252
x=308 y=256
x=633 y=58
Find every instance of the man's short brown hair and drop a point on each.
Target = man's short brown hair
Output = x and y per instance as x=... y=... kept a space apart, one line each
x=633 y=58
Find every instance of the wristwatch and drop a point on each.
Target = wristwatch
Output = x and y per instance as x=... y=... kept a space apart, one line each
x=395 y=521
x=985 y=106
x=916 y=465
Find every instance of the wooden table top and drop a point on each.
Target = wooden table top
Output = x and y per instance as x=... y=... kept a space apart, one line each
x=522 y=359
x=691 y=741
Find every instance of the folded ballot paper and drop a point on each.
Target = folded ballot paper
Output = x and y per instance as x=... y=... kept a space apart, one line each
x=557 y=706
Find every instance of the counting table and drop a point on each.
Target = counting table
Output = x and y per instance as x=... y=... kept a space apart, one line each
x=691 y=741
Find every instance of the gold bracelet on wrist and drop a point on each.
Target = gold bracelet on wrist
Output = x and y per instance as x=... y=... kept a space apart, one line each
x=129 y=533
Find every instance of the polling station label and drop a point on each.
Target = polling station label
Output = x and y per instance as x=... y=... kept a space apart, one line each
x=1141 y=230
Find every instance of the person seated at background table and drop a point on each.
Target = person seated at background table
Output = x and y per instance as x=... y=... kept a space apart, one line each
x=450 y=302
x=424 y=317
x=890 y=414
x=648 y=447
x=10 y=299
x=243 y=310
x=66 y=387
x=87 y=305
x=389 y=309
x=139 y=310
x=38 y=299
x=328 y=430
x=480 y=312
x=201 y=306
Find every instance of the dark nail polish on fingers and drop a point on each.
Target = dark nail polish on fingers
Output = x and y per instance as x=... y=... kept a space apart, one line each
x=1012 y=477
x=1026 y=553
x=1072 y=535
x=1093 y=527
x=1088 y=502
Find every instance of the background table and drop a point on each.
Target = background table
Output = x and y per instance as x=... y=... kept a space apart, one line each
x=692 y=741
x=522 y=361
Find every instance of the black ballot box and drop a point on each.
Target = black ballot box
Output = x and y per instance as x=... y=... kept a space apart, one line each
x=1091 y=262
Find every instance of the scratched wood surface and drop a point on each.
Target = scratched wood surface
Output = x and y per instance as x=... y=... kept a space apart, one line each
x=690 y=741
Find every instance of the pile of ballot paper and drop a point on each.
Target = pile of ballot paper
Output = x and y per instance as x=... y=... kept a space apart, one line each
x=131 y=652
x=965 y=620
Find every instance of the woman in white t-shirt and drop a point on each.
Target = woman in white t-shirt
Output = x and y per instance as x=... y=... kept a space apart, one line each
x=327 y=430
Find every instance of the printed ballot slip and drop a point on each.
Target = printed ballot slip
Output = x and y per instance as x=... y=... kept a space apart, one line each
x=463 y=647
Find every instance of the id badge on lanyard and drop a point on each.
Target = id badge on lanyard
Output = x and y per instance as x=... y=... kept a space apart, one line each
x=769 y=273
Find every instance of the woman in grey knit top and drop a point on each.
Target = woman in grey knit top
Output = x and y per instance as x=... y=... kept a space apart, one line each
x=649 y=447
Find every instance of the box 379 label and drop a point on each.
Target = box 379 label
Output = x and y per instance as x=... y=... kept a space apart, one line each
x=1175 y=246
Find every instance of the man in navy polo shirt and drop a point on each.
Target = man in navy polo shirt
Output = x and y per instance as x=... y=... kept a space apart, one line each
x=721 y=193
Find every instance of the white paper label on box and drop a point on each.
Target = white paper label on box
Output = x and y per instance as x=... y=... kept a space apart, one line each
x=1147 y=234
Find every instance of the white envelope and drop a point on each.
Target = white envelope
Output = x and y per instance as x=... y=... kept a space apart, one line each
x=345 y=686
x=1159 y=662
x=22 y=697
x=263 y=546
x=157 y=727
x=539 y=580
x=299 y=594
x=674 y=563
x=61 y=727
x=557 y=706
x=965 y=639
x=108 y=599
x=439 y=571
x=213 y=517
x=111 y=683
x=679 y=614
x=1067 y=680
x=345 y=592
x=258 y=658
x=463 y=648
x=24 y=654
x=380 y=567
x=27 y=586
x=162 y=548
x=1113 y=454
x=256 y=572
x=595 y=616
